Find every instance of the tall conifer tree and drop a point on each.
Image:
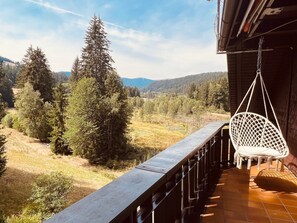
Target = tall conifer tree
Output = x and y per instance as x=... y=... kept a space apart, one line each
x=118 y=114
x=5 y=87
x=1 y=70
x=95 y=59
x=84 y=123
x=57 y=117
x=2 y=142
x=75 y=71
x=36 y=71
x=97 y=116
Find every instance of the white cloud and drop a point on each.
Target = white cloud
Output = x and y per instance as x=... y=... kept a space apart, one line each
x=60 y=50
x=52 y=7
x=151 y=55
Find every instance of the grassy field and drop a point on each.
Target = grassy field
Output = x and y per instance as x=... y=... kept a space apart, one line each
x=28 y=158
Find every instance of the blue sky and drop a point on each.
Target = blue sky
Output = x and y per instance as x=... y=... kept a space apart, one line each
x=157 y=39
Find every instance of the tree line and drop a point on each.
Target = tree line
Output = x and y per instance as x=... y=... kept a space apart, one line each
x=180 y=85
x=207 y=96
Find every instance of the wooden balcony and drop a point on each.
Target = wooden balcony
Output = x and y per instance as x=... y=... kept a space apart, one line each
x=191 y=181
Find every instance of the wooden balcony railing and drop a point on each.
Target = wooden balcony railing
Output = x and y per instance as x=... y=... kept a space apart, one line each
x=169 y=187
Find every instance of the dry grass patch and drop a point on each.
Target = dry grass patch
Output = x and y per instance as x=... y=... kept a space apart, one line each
x=28 y=159
x=157 y=136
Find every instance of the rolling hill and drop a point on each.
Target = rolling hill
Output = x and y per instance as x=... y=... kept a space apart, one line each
x=137 y=82
x=4 y=59
x=67 y=73
x=180 y=84
x=129 y=82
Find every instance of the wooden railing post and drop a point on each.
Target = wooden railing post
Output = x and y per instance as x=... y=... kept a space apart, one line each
x=218 y=149
x=225 y=149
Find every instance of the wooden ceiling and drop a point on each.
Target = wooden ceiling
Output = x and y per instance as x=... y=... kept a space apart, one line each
x=276 y=20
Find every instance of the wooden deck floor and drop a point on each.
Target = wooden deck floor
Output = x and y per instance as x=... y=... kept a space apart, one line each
x=253 y=196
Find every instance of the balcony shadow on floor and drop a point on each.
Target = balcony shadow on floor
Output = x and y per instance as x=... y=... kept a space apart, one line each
x=229 y=199
x=271 y=180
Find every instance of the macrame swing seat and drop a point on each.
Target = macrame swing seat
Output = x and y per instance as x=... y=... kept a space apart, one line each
x=254 y=136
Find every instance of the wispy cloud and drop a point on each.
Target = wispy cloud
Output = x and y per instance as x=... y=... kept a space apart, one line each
x=137 y=52
x=54 y=8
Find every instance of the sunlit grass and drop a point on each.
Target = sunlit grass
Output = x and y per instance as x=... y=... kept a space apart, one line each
x=28 y=158
x=156 y=135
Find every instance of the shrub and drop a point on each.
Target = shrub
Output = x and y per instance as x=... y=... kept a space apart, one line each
x=17 y=124
x=2 y=217
x=24 y=218
x=32 y=113
x=49 y=193
x=7 y=120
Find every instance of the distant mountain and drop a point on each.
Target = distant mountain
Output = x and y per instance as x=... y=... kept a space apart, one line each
x=179 y=85
x=61 y=76
x=4 y=59
x=137 y=82
x=130 y=82
x=67 y=73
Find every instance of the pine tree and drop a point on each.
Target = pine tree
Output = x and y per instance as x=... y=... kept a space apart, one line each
x=11 y=72
x=2 y=140
x=2 y=107
x=95 y=59
x=32 y=112
x=191 y=89
x=204 y=94
x=2 y=155
x=118 y=114
x=1 y=70
x=6 y=88
x=2 y=149
x=75 y=71
x=98 y=111
x=36 y=71
x=86 y=113
x=225 y=91
x=57 y=119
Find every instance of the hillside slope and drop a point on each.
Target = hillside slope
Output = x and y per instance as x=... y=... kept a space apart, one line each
x=179 y=85
x=137 y=82
x=4 y=59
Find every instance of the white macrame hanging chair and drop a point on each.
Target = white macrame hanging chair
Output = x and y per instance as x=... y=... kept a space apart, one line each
x=254 y=136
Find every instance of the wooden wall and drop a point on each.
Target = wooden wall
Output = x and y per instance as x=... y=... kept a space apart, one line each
x=291 y=161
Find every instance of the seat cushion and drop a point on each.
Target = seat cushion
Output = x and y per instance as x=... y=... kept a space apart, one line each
x=250 y=151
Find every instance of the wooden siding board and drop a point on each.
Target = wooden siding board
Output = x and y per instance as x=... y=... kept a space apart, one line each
x=291 y=161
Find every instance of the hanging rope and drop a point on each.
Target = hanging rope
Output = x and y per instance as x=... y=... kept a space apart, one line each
x=259 y=59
